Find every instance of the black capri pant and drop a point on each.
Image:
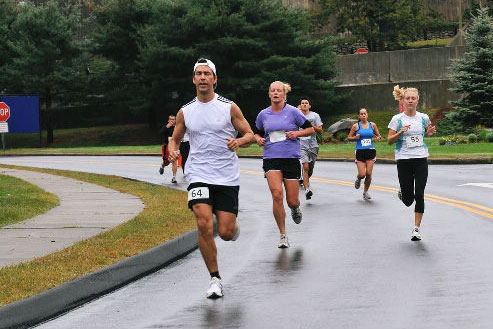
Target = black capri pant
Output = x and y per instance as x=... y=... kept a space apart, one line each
x=184 y=151
x=413 y=174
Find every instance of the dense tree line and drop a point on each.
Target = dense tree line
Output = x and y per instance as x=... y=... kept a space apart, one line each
x=117 y=61
x=137 y=59
x=382 y=24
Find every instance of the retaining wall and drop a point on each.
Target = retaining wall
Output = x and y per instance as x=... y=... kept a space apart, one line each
x=371 y=77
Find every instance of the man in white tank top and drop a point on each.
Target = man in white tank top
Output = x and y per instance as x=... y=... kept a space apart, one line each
x=212 y=123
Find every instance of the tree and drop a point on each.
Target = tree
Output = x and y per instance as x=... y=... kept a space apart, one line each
x=44 y=59
x=252 y=42
x=473 y=75
x=116 y=39
x=384 y=24
x=7 y=17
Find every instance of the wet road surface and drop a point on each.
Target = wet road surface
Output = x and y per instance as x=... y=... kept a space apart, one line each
x=351 y=263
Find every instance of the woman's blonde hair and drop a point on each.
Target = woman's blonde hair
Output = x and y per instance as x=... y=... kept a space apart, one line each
x=399 y=93
x=411 y=89
x=286 y=86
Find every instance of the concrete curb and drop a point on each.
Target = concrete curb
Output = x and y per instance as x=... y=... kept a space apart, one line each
x=60 y=299
x=383 y=160
x=380 y=160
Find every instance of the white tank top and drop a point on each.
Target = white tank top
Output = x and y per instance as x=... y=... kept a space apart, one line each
x=208 y=126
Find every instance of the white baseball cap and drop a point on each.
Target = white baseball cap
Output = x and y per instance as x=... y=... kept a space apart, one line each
x=206 y=62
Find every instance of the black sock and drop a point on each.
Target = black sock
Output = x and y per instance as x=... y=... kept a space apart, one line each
x=215 y=274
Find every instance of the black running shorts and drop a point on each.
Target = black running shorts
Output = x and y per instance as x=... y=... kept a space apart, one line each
x=290 y=167
x=366 y=155
x=220 y=197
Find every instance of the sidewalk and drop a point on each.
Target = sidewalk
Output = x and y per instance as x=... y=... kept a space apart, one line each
x=85 y=210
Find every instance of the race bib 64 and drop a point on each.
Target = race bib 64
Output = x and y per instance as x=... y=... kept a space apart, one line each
x=198 y=193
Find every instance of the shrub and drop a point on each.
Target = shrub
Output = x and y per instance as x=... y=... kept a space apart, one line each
x=461 y=140
x=342 y=135
x=482 y=134
x=472 y=138
x=327 y=138
x=452 y=140
x=489 y=137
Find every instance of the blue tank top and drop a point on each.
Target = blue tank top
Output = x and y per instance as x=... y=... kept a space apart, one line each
x=366 y=137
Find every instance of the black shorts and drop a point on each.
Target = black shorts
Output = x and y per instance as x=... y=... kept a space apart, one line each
x=221 y=197
x=366 y=155
x=290 y=168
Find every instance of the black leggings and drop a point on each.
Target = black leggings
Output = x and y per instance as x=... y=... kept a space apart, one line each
x=184 y=150
x=413 y=174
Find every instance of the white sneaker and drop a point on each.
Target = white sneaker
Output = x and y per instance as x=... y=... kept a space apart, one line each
x=296 y=215
x=215 y=288
x=173 y=180
x=237 y=232
x=416 y=236
x=366 y=196
x=308 y=194
x=283 y=242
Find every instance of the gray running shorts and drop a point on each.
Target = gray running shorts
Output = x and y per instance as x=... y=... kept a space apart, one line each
x=309 y=155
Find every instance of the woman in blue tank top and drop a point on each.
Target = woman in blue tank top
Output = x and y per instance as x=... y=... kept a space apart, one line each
x=363 y=132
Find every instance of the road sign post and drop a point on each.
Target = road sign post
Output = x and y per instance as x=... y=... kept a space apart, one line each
x=4 y=112
x=4 y=126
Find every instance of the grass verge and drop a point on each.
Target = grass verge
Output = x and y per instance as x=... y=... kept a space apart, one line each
x=346 y=150
x=429 y=43
x=137 y=139
x=20 y=200
x=165 y=217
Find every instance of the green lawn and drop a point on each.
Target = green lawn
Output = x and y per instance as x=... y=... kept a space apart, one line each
x=429 y=43
x=20 y=200
x=139 y=139
x=346 y=150
x=150 y=228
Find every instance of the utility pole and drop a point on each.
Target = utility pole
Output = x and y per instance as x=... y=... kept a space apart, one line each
x=459 y=9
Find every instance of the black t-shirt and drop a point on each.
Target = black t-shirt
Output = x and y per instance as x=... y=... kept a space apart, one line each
x=165 y=133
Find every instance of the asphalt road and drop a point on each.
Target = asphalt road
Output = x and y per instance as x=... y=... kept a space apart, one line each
x=351 y=263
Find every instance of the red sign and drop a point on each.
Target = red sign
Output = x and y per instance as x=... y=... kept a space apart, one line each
x=4 y=112
x=361 y=51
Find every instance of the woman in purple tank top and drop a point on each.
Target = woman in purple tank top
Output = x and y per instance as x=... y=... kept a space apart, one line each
x=278 y=131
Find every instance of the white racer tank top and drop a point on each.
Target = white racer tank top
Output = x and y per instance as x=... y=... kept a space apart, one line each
x=208 y=126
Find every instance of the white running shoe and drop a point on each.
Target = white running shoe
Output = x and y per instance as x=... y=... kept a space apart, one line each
x=237 y=232
x=173 y=180
x=308 y=194
x=283 y=242
x=215 y=288
x=416 y=236
x=357 y=183
x=296 y=215
x=366 y=196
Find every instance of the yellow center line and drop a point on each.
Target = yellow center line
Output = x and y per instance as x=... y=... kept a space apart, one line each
x=468 y=206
